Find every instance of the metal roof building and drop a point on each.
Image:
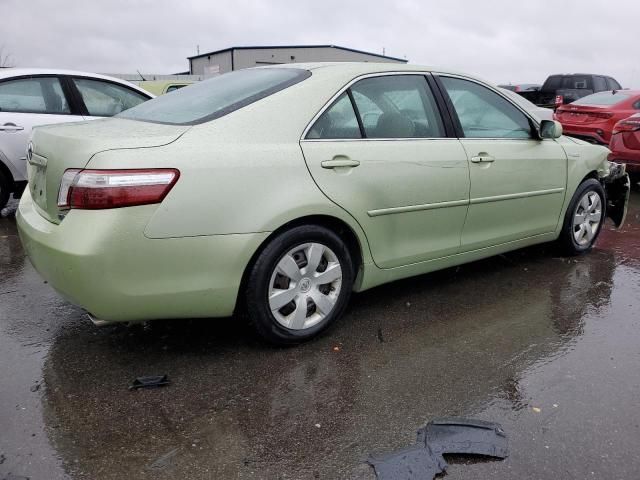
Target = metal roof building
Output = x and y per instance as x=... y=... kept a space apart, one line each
x=236 y=58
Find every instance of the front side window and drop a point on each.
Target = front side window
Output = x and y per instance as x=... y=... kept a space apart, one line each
x=106 y=99
x=33 y=95
x=397 y=106
x=218 y=96
x=483 y=113
x=338 y=121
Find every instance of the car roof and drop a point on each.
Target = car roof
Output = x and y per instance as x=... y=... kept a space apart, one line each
x=21 y=72
x=363 y=68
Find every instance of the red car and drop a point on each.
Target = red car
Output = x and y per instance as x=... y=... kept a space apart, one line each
x=593 y=117
x=625 y=144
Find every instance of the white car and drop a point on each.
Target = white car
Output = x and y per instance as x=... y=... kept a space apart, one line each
x=34 y=96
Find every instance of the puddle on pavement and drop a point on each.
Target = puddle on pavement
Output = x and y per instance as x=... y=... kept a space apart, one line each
x=495 y=340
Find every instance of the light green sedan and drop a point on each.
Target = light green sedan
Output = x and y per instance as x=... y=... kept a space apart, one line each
x=277 y=191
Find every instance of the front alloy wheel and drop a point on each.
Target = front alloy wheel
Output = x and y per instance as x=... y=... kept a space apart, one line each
x=587 y=218
x=584 y=218
x=300 y=283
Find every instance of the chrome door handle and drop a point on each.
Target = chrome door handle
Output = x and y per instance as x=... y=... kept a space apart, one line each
x=482 y=159
x=339 y=162
x=10 y=127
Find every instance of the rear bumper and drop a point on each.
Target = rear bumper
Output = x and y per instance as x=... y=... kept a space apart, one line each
x=101 y=261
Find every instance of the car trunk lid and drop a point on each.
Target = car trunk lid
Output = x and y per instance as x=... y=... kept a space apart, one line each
x=578 y=114
x=56 y=148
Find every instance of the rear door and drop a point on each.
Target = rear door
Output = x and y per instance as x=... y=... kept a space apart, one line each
x=517 y=181
x=26 y=102
x=381 y=151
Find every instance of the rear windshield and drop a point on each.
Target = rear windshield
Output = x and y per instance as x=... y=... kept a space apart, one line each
x=602 y=98
x=204 y=101
x=567 y=82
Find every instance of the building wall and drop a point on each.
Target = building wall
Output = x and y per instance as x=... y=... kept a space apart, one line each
x=247 y=58
x=212 y=64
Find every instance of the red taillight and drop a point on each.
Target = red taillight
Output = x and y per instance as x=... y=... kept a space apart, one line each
x=517 y=89
x=601 y=115
x=631 y=124
x=100 y=189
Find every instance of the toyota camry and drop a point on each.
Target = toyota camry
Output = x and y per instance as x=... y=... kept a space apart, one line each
x=277 y=191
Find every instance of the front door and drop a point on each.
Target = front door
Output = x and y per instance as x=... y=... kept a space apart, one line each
x=380 y=152
x=517 y=181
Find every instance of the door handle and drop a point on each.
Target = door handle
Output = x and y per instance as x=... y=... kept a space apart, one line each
x=10 y=127
x=482 y=158
x=339 y=162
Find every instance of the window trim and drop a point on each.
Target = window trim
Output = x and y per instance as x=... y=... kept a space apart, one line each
x=73 y=107
x=448 y=135
x=77 y=95
x=535 y=126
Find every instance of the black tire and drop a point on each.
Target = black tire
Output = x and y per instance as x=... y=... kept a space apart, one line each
x=5 y=190
x=567 y=241
x=263 y=271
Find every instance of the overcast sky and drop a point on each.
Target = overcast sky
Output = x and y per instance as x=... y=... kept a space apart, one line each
x=502 y=41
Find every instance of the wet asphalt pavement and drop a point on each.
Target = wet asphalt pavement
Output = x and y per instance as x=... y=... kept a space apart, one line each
x=547 y=346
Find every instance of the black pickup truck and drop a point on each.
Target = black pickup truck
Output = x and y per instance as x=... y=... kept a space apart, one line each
x=566 y=88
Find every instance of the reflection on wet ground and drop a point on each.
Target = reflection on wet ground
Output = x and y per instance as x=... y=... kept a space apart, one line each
x=493 y=339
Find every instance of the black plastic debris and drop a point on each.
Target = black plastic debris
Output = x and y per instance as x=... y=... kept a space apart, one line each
x=412 y=463
x=150 y=381
x=424 y=460
x=464 y=436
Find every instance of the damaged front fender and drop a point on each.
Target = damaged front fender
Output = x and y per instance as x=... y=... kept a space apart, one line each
x=617 y=187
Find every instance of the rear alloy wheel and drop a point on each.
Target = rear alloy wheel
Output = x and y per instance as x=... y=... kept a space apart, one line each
x=584 y=218
x=299 y=285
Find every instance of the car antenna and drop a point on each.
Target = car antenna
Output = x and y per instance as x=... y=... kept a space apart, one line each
x=143 y=79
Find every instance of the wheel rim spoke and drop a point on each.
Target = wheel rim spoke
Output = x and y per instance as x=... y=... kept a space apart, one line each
x=299 y=315
x=280 y=298
x=288 y=267
x=314 y=256
x=579 y=219
x=331 y=274
x=324 y=303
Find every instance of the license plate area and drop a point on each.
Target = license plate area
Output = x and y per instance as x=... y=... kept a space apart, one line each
x=38 y=180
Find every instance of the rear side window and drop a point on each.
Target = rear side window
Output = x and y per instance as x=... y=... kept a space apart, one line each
x=397 y=106
x=603 y=98
x=599 y=84
x=106 y=99
x=394 y=106
x=216 y=97
x=338 y=121
x=33 y=95
x=613 y=85
x=483 y=113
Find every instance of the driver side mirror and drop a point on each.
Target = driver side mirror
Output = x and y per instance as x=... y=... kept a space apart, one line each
x=550 y=129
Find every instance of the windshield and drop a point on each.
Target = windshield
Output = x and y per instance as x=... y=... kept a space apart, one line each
x=602 y=98
x=216 y=97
